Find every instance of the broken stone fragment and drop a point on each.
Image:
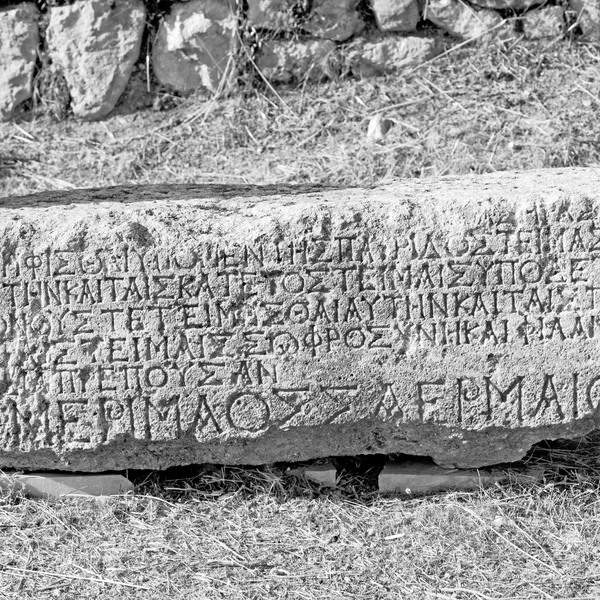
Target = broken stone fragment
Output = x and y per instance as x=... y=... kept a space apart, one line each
x=335 y=20
x=276 y=15
x=588 y=17
x=546 y=22
x=420 y=477
x=285 y=60
x=324 y=474
x=19 y=40
x=194 y=45
x=66 y=485
x=411 y=477
x=518 y=5
x=396 y=15
x=96 y=43
x=460 y=20
x=390 y=54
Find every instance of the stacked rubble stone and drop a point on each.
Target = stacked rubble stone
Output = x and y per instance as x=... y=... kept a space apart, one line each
x=95 y=44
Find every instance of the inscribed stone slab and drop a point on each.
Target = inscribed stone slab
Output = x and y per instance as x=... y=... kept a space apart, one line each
x=153 y=326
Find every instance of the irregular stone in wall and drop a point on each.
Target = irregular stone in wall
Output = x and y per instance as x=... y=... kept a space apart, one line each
x=19 y=39
x=544 y=23
x=392 y=53
x=588 y=16
x=519 y=5
x=96 y=43
x=396 y=15
x=461 y=20
x=335 y=20
x=286 y=60
x=144 y=327
x=194 y=44
x=277 y=15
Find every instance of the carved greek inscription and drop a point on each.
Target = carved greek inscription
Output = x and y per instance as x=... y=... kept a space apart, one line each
x=205 y=339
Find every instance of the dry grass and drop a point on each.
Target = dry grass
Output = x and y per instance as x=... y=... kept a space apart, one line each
x=496 y=107
x=263 y=533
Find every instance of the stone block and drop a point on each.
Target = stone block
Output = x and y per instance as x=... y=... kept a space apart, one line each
x=371 y=58
x=66 y=485
x=325 y=475
x=276 y=15
x=286 y=60
x=144 y=327
x=516 y=5
x=95 y=44
x=396 y=15
x=335 y=20
x=19 y=40
x=588 y=17
x=411 y=477
x=194 y=44
x=460 y=20
x=544 y=23
x=418 y=477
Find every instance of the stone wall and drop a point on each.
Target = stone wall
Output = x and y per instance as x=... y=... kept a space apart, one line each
x=91 y=47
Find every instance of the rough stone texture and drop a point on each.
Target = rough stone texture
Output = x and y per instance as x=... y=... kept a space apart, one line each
x=412 y=477
x=588 y=12
x=460 y=20
x=544 y=23
x=19 y=41
x=66 y=485
x=378 y=128
x=392 y=53
x=152 y=326
x=283 y=61
x=193 y=44
x=277 y=15
x=518 y=5
x=95 y=43
x=325 y=475
x=335 y=20
x=396 y=15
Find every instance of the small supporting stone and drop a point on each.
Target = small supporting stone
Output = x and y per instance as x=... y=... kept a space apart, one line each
x=61 y=485
x=414 y=477
x=325 y=474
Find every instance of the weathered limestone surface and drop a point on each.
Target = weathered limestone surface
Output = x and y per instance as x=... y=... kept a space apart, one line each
x=335 y=20
x=461 y=20
x=396 y=15
x=506 y=4
x=277 y=15
x=96 y=43
x=544 y=23
x=19 y=39
x=152 y=326
x=392 y=53
x=285 y=60
x=194 y=43
x=588 y=17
